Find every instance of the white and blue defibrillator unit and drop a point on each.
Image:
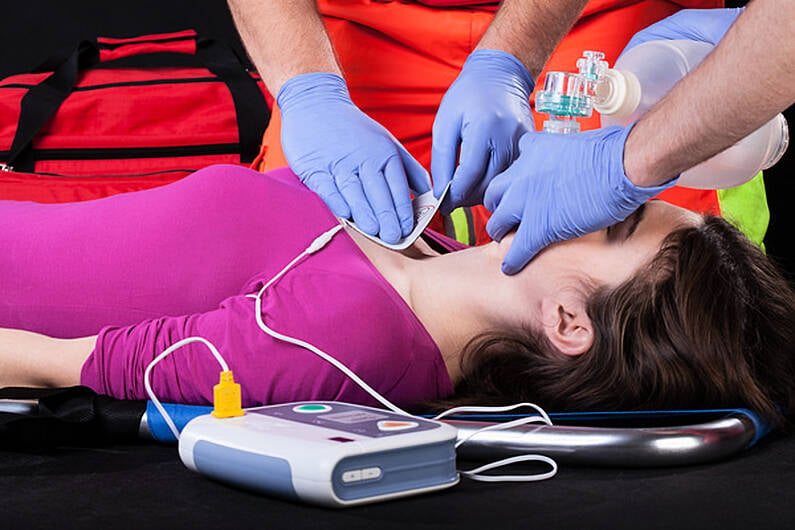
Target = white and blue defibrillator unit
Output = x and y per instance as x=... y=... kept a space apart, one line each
x=328 y=453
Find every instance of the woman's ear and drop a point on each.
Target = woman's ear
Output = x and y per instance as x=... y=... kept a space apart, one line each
x=566 y=323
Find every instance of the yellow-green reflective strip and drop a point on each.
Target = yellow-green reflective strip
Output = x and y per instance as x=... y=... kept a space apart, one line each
x=461 y=225
x=746 y=208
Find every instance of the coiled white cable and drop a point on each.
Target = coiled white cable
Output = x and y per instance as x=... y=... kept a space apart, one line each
x=476 y=474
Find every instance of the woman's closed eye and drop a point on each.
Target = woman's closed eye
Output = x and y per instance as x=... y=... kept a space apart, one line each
x=622 y=231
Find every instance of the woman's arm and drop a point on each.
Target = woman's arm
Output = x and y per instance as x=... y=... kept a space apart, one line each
x=32 y=359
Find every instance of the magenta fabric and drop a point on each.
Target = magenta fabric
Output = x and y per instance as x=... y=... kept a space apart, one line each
x=146 y=269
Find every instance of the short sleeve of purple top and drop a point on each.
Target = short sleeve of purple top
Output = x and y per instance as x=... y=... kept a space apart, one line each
x=334 y=299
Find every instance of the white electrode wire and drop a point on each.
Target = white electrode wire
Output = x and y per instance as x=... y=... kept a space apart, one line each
x=541 y=417
x=320 y=241
x=501 y=427
x=168 y=351
x=316 y=245
x=544 y=417
x=475 y=474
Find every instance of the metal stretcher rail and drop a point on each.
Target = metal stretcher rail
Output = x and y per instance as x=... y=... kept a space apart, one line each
x=618 y=439
x=614 y=446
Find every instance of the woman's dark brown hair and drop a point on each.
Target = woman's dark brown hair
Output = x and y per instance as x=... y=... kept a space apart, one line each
x=709 y=322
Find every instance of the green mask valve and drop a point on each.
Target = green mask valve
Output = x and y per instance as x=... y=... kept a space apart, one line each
x=568 y=96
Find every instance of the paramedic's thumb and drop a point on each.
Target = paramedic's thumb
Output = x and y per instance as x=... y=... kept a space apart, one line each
x=478 y=125
x=546 y=196
x=702 y=25
x=356 y=166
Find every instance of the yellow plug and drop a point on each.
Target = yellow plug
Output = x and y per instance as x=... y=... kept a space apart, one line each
x=226 y=397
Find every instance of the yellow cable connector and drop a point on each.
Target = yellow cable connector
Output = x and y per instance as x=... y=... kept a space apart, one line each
x=226 y=397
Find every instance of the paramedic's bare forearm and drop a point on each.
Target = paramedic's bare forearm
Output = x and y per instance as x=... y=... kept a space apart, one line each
x=32 y=359
x=284 y=38
x=747 y=80
x=530 y=29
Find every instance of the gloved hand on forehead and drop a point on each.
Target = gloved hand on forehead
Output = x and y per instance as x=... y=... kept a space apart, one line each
x=703 y=25
x=356 y=166
x=482 y=116
x=562 y=186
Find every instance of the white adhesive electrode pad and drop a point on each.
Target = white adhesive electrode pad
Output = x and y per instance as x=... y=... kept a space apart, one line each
x=328 y=453
x=424 y=205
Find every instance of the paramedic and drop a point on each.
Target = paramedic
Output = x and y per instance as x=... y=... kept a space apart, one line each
x=399 y=61
x=743 y=84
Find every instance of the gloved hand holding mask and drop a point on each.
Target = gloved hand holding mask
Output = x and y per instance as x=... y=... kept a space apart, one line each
x=560 y=187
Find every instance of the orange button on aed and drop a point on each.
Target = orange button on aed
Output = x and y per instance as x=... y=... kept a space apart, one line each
x=392 y=425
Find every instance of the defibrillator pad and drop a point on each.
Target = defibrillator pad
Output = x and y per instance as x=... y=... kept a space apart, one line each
x=425 y=205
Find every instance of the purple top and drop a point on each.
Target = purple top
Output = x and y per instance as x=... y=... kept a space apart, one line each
x=182 y=260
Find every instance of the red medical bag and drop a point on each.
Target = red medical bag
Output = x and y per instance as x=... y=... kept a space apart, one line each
x=126 y=114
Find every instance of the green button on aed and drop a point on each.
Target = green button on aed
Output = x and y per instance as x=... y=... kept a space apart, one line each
x=311 y=409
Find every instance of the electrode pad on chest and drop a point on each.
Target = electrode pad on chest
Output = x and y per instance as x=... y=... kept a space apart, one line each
x=425 y=205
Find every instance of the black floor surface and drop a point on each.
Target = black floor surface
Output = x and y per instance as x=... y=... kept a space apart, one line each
x=148 y=487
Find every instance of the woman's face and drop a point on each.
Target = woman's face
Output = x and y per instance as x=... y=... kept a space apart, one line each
x=609 y=256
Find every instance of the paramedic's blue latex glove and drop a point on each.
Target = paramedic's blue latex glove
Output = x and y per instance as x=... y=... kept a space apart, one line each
x=356 y=166
x=562 y=186
x=703 y=25
x=485 y=112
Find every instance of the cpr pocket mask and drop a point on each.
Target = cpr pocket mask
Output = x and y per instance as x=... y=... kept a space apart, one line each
x=330 y=453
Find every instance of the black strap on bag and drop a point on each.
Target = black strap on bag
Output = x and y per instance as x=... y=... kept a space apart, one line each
x=41 y=102
x=74 y=416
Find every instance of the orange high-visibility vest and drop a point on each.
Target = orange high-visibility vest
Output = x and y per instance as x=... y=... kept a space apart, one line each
x=400 y=57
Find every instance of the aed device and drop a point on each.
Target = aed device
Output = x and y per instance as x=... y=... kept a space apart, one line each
x=328 y=453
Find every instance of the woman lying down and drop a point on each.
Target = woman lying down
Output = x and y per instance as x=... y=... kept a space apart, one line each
x=667 y=309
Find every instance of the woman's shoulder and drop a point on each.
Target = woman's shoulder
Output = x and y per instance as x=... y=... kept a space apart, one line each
x=344 y=295
x=358 y=319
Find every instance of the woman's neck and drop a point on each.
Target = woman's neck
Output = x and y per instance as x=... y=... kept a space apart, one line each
x=455 y=296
